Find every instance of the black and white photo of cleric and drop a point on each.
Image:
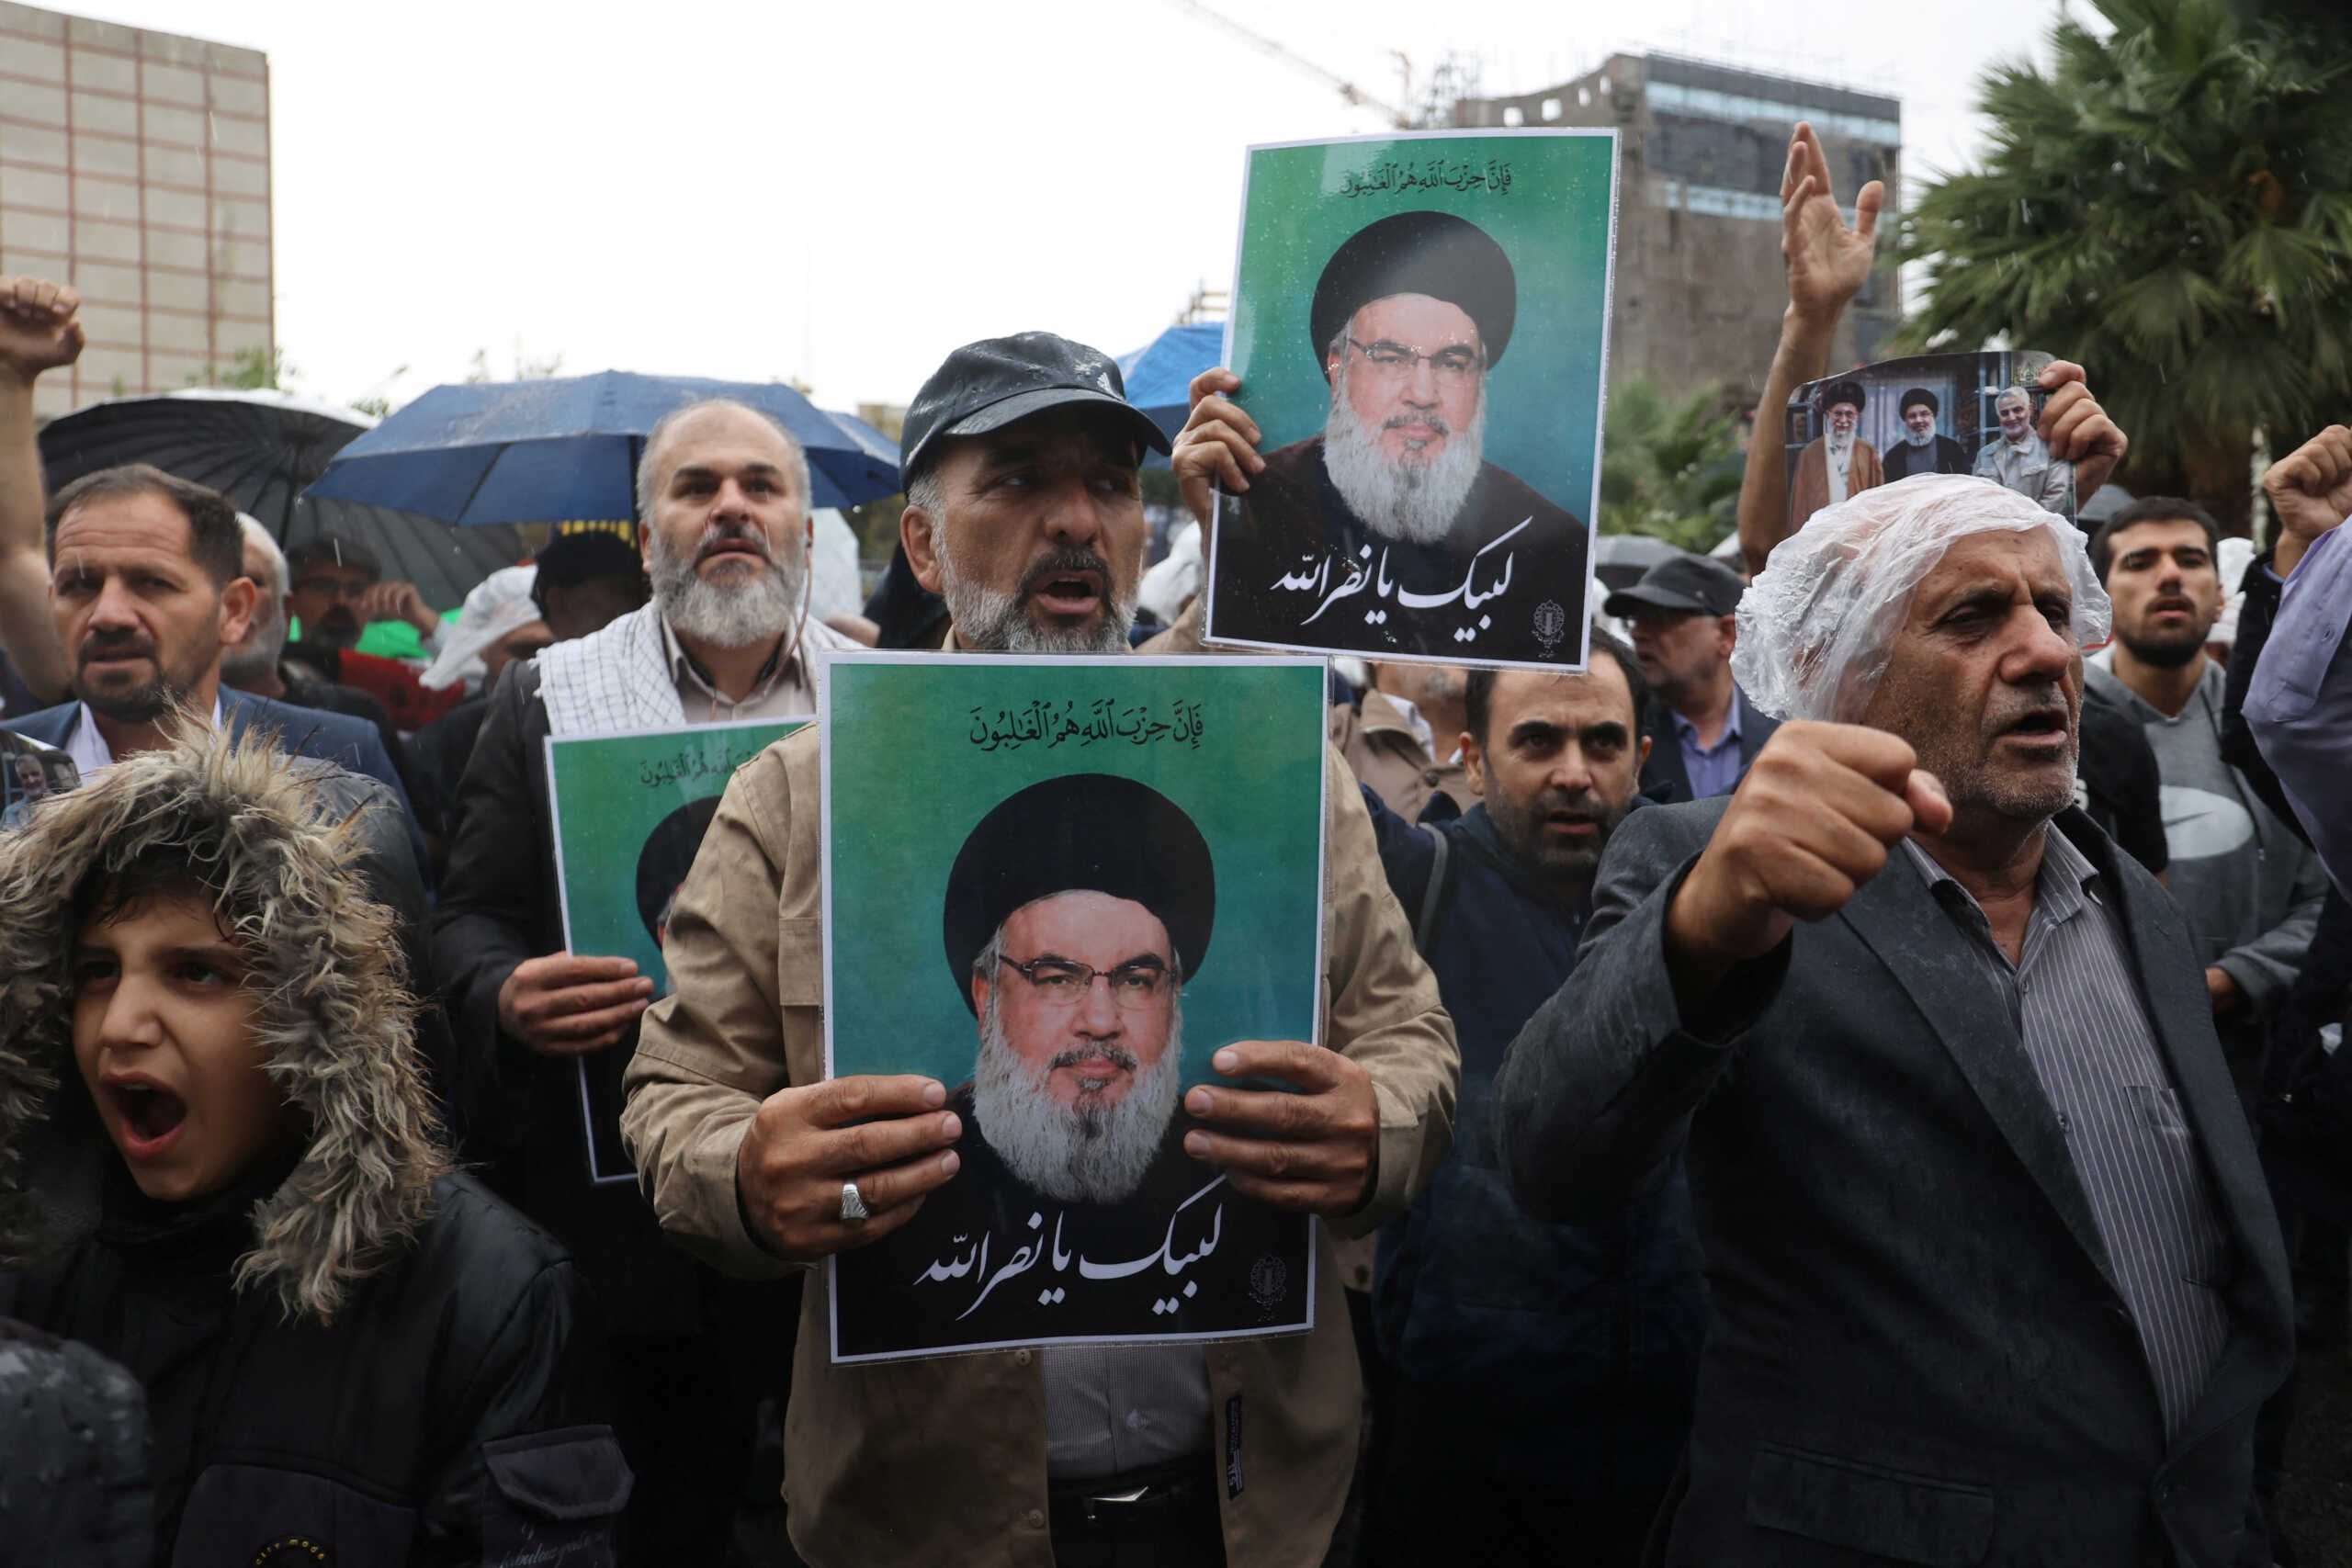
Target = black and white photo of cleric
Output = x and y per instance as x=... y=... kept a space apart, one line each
x=1074 y=1171
x=1853 y=1075
x=1939 y=414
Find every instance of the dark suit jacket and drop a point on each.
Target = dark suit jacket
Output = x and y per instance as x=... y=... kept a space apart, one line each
x=1902 y=460
x=1665 y=777
x=1918 y=1353
x=349 y=744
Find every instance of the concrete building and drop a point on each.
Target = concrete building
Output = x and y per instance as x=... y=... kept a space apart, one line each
x=1699 y=290
x=135 y=165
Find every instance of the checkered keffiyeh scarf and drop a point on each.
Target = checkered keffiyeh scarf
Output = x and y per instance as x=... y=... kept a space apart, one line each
x=619 y=678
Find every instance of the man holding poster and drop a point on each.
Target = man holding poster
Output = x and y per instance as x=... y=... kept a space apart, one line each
x=1430 y=508
x=1023 y=462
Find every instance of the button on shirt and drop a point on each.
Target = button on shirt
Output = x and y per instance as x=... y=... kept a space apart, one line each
x=2077 y=1006
x=1714 y=769
x=781 y=691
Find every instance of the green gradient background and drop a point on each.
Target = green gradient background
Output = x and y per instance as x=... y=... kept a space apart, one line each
x=1544 y=399
x=907 y=787
x=604 y=810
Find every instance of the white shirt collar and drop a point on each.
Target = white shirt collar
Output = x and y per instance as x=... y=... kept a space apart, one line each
x=88 y=748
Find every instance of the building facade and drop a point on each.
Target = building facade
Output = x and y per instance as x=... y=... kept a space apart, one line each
x=135 y=165
x=1701 y=149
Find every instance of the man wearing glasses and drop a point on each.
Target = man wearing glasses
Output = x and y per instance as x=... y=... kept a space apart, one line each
x=1409 y=319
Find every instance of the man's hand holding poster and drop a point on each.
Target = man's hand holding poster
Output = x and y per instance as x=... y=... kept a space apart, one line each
x=1061 y=889
x=630 y=811
x=1420 y=324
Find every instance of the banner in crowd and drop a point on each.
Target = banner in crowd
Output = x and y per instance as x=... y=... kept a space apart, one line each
x=1058 y=888
x=630 y=811
x=1939 y=413
x=1420 y=324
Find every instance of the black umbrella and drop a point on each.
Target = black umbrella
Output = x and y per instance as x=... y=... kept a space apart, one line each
x=261 y=450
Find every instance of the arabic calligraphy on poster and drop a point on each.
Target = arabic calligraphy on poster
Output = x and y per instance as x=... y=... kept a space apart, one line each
x=1114 y=869
x=1420 y=324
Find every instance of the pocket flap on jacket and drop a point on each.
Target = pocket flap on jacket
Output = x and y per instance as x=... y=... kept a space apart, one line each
x=1868 y=1508
x=576 y=1473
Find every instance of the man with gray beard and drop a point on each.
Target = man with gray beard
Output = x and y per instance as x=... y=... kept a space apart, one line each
x=1390 y=532
x=722 y=496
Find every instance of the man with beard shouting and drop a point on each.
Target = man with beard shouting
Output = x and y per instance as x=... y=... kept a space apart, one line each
x=1023 y=461
x=722 y=495
x=1410 y=315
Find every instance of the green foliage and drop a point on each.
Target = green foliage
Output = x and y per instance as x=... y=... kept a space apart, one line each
x=2172 y=206
x=253 y=369
x=375 y=406
x=1670 y=468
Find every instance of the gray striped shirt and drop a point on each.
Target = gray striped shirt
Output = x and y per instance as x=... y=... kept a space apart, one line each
x=2082 y=1020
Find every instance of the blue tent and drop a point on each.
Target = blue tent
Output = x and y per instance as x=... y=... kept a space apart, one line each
x=555 y=450
x=1160 y=375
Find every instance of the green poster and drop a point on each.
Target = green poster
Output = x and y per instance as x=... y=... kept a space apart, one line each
x=1057 y=887
x=1420 y=324
x=629 y=813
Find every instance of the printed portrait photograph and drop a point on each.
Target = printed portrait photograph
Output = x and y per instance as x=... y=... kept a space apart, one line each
x=1058 y=889
x=1942 y=413
x=1420 y=327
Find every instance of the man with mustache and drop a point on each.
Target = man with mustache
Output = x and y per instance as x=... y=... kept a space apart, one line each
x=1992 y=1273
x=1921 y=450
x=1023 y=464
x=2019 y=457
x=1543 y=1370
x=722 y=497
x=2249 y=885
x=1838 y=463
x=1409 y=318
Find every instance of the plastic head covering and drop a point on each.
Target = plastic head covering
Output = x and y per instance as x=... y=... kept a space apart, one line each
x=2235 y=556
x=1177 y=579
x=1817 y=626
x=499 y=603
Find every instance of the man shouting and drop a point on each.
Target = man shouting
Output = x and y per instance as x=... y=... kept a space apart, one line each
x=1994 y=1274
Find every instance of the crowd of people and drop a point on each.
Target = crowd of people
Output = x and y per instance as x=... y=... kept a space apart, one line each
x=1849 y=1076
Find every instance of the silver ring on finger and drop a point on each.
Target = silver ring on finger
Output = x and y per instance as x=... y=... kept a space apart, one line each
x=854 y=1210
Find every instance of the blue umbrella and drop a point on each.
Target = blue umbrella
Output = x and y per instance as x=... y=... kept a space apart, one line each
x=1160 y=375
x=551 y=451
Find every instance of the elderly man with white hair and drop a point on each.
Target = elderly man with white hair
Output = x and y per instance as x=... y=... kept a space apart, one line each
x=1994 y=1275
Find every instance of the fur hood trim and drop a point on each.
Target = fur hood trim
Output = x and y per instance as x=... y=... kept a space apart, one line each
x=335 y=1017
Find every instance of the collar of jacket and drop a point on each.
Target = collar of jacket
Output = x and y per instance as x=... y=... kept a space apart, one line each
x=334 y=1020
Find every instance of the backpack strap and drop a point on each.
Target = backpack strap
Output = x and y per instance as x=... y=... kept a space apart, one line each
x=1433 y=897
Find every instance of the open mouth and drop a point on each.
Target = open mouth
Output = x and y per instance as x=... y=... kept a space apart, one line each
x=1572 y=824
x=1069 y=593
x=151 y=1117
x=2044 y=729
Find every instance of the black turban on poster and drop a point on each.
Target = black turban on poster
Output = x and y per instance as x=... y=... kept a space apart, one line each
x=1434 y=253
x=667 y=855
x=1844 y=392
x=1094 y=832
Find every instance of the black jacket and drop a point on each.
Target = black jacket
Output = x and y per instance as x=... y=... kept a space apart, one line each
x=1918 y=1353
x=1665 y=777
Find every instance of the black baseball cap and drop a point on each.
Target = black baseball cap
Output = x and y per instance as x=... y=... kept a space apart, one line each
x=1686 y=582
x=987 y=385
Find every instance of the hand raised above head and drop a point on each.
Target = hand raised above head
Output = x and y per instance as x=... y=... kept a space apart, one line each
x=1829 y=262
x=2310 y=491
x=39 y=328
x=887 y=1134
x=1218 y=445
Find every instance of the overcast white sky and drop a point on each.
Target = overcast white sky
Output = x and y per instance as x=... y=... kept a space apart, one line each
x=841 y=193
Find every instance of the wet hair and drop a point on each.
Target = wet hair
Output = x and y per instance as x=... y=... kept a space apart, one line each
x=2153 y=509
x=1478 y=688
x=108 y=893
x=1918 y=395
x=216 y=540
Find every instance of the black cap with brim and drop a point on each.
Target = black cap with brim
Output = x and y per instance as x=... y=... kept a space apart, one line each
x=1685 y=582
x=986 y=385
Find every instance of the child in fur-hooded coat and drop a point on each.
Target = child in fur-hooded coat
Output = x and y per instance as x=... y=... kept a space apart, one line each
x=219 y=1165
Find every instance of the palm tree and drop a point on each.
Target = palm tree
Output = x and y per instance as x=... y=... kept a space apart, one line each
x=2171 y=206
x=1670 y=468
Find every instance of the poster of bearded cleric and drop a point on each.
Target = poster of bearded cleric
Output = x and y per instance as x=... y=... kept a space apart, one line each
x=629 y=810
x=1937 y=413
x=1420 y=324
x=1057 y=888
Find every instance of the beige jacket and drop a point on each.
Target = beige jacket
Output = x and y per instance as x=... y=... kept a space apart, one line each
x=942 y=1460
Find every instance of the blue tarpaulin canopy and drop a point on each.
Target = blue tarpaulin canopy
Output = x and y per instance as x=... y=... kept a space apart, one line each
x=554 y=450
x=1160 y=375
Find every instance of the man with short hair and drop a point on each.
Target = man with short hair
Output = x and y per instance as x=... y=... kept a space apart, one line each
x=1838 y=462
x=1409 y=316
x=2249 y=885
x=1992 y=1274
x=724 y=491
x=1023 y=461
x=2020 y=459
x=1703 y=733
x=1403 y=737
x=336 y=586
x=1544 y=1371
x=1922 y=450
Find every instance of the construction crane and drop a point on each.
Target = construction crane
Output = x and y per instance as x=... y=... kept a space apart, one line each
x=1402 y=119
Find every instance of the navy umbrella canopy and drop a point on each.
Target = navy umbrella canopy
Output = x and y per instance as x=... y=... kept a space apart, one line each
x=553 y=450
x=260 y=449
x=1159 y=376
